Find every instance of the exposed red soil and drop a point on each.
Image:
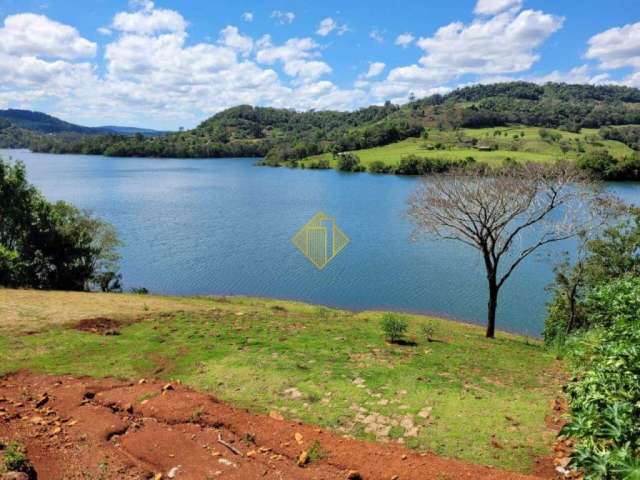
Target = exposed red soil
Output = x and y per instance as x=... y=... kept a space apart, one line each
x=77 y=428
x=101 y=325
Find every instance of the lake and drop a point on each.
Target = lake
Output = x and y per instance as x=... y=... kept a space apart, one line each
x=224 y=227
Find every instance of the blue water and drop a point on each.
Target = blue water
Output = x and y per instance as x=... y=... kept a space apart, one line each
x=224 y=226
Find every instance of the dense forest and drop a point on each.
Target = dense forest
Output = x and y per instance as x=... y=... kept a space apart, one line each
x=282 y=135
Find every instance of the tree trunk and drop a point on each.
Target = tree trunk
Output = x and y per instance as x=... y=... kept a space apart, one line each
x=491 y=308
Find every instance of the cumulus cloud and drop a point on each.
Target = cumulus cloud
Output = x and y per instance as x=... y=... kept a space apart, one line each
x=230 y=36
x=328 y=25
x=283 y=18
x=404 y=40
x=28 y=34
x=247 y=16
x=462 y=49
x=151 y=65
x=149 y=20
x=491 y=7
x=296 y=56
x=375 y=69
x=617 y=47
x=581 y=74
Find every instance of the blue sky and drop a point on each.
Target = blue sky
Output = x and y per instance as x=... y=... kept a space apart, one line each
x=168 y=63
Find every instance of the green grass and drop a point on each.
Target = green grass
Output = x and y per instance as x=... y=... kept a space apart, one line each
x=249 y=352
x=530 y=147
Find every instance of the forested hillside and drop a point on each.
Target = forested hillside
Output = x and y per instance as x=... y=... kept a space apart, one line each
x=286 y=136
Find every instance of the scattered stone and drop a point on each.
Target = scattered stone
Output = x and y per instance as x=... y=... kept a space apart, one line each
x=42 y=400
x=157 y=476
x=173 y=472
x=37 y=420
x=299 y=438
x=425 y=412
x=167 y=387
x=359 y=382
x=294 y=393
x=251 y=453
x=224 y=461
x=354 y=475
x=303 y=458
x=275 y=415
x=395 y=477
x=14 y=476
x=128 y=408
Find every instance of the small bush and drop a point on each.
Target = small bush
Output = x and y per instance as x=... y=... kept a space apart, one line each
x=140 y=291
x=378 y=166
x=394 y=327
x=349 y=162
x=321 y=164
x=15 y=458
x=316 y=452
x=429 y=331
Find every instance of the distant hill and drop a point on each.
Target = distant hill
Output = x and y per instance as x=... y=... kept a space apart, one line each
x=284 y=137
x=41 y=122
x=147 y=132
x=44 y=123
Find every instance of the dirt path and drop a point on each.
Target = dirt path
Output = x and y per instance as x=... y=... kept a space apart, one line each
x=81 y=428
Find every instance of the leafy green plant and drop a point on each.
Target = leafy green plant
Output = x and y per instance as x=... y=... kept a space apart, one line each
x=15 y=458
x=429 y=331
x=316 y=452
x=394 y=327
x=604 y=394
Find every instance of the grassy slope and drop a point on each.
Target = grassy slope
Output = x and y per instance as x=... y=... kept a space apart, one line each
x=532 y=149
x=249 y=351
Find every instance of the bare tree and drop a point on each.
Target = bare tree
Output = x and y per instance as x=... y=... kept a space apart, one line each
x=507 y=215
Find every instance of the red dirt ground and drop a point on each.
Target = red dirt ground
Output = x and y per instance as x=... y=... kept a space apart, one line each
x=79 y=428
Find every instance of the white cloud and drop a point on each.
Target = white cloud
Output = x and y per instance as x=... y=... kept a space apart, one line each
x=488 y=47
x=505 y=43
x=492 y=7
x=328 y=25
x=149 y=20
x=296 y=55
x=152 y=65
x=283 y=17
x=404 y=40
x=104 y=31
x=247 y=16
x=28 y=34
x=377 y=35
x=617 y=47
x=581 y=74
x=231 y=37
x=375 y=69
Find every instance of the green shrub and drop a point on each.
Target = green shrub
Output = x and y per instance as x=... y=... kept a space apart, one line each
x=15 y=458
x=140 y=291
x=597 y=162
x=348 y=162
x=429 y=331
x=47 y=245
x=604 y=394
x=394 y=327
x=321 y=164
x=378 y=166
